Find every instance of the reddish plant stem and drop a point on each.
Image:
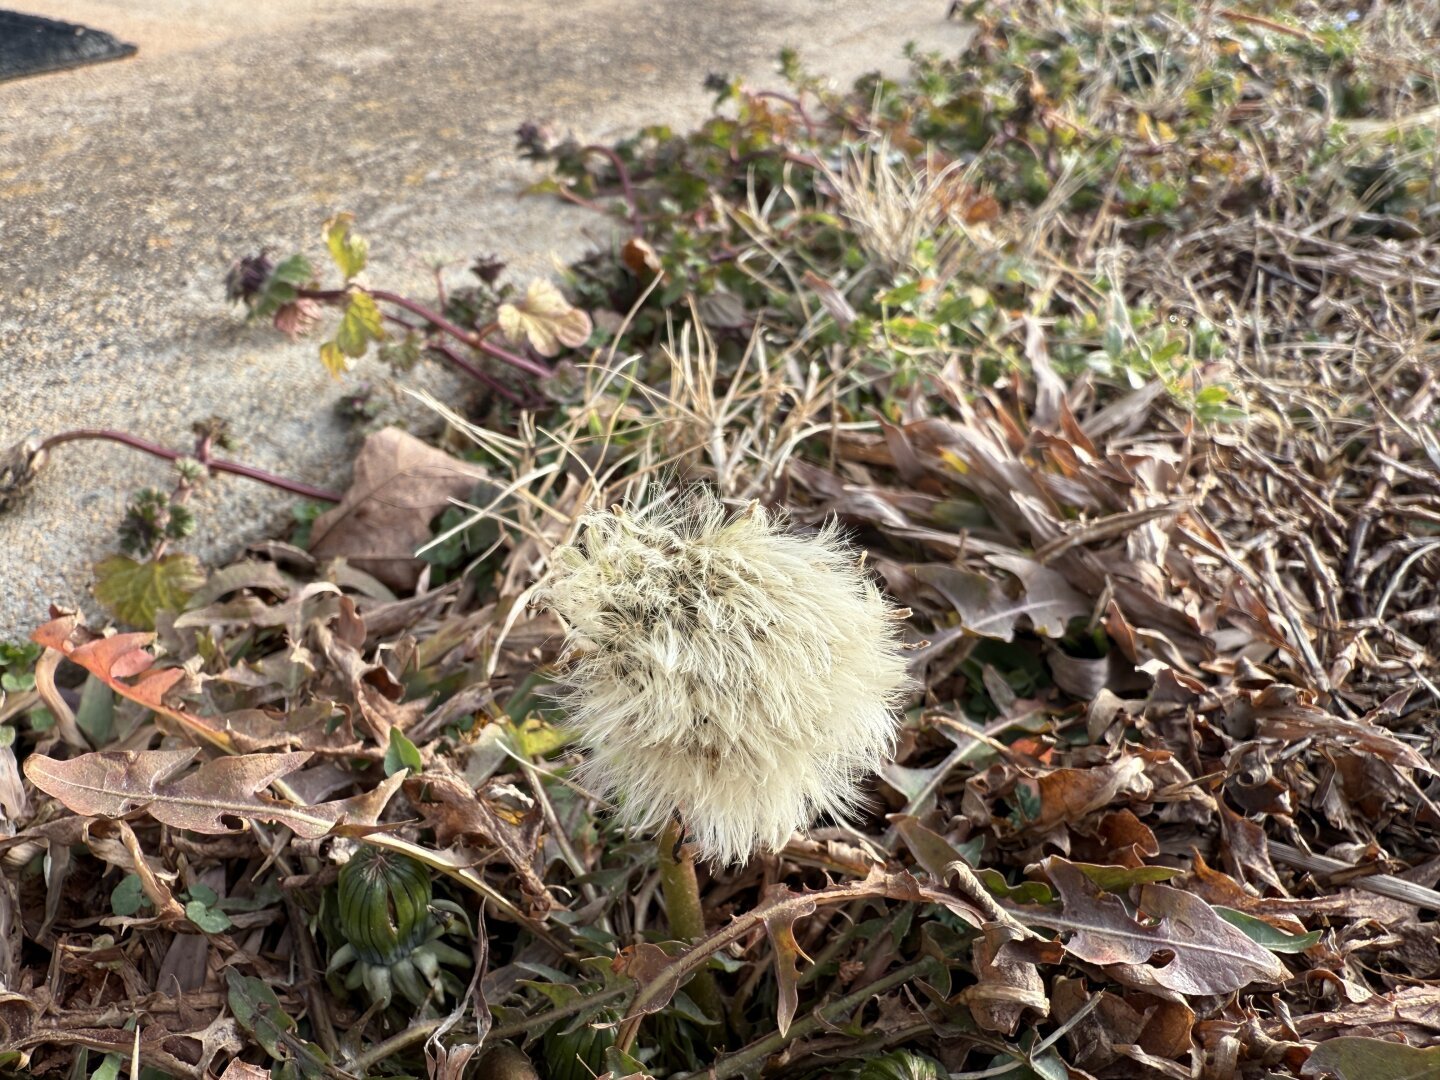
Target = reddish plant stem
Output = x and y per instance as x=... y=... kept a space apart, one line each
x=623 y=172
x=570 y=197
x=434 y=318
x=183 y=488
x=295 y=487
x=794 y=102
x=495 y=385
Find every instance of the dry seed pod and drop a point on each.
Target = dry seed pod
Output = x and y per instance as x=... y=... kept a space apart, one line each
x=724 y=668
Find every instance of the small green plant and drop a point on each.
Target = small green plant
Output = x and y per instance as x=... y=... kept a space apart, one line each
x=392 y=928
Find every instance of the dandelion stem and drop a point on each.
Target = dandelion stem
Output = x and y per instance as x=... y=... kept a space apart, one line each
x=684 y=912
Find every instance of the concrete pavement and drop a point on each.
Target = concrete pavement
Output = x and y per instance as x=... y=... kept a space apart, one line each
x=126 y=190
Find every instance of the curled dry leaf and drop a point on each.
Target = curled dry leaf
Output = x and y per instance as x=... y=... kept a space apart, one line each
x=780 y=927
x=1007 y=987
x=459 y=813
x=545 y=320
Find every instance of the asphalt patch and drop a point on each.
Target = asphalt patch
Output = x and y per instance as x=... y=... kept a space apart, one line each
x=30 y=45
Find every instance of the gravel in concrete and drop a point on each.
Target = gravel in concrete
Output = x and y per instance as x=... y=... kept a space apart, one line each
x=127 y=189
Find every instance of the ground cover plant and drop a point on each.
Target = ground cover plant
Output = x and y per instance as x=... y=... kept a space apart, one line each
x=1111 y=343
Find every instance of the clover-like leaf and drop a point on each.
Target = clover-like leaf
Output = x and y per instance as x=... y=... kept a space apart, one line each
x=209 y=919
x=545 y=319
x=134 y=591
x=128 y=897
x=347 y=250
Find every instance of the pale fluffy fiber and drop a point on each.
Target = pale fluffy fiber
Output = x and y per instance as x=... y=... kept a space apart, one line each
x=724 y=668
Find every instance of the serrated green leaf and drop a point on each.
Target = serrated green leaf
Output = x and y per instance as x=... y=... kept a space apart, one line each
x=1262 y=933
x=349 y=252
x=127 y=898
x=296 y=271
x=402 y=754
x=360 y=325
x=207 y=918
x=282 y=286
x=134 y=591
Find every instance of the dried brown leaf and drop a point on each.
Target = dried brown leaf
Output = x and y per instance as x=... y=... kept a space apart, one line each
x=116 y=783
x=987 y=609
x=1208 y=955
x=545 y=320
x=1356 y=1058
x=1007 y=987
x=780 y=927
x=400 y=484
x=485 y=818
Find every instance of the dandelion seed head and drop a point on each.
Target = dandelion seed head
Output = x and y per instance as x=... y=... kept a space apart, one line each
x=725 y=668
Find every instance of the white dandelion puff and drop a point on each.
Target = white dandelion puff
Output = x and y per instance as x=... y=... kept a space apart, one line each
x=724 y=669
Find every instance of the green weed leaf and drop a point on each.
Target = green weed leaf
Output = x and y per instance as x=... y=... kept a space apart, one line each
x=1352 y=1057
x=258 y=1011
x=207 y=918
x=282 y=286
x=134 y=591
x=401 y=754
x=1262 y=933
x=349 y=252
x=128 y=897
x=360 y=325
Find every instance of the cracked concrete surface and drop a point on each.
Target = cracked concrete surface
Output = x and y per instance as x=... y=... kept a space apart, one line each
x=126 y=190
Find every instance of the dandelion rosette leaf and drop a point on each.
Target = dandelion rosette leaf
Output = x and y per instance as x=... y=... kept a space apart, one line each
x=725 y=669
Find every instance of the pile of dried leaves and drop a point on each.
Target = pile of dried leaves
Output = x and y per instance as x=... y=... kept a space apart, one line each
x=1113 y=342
